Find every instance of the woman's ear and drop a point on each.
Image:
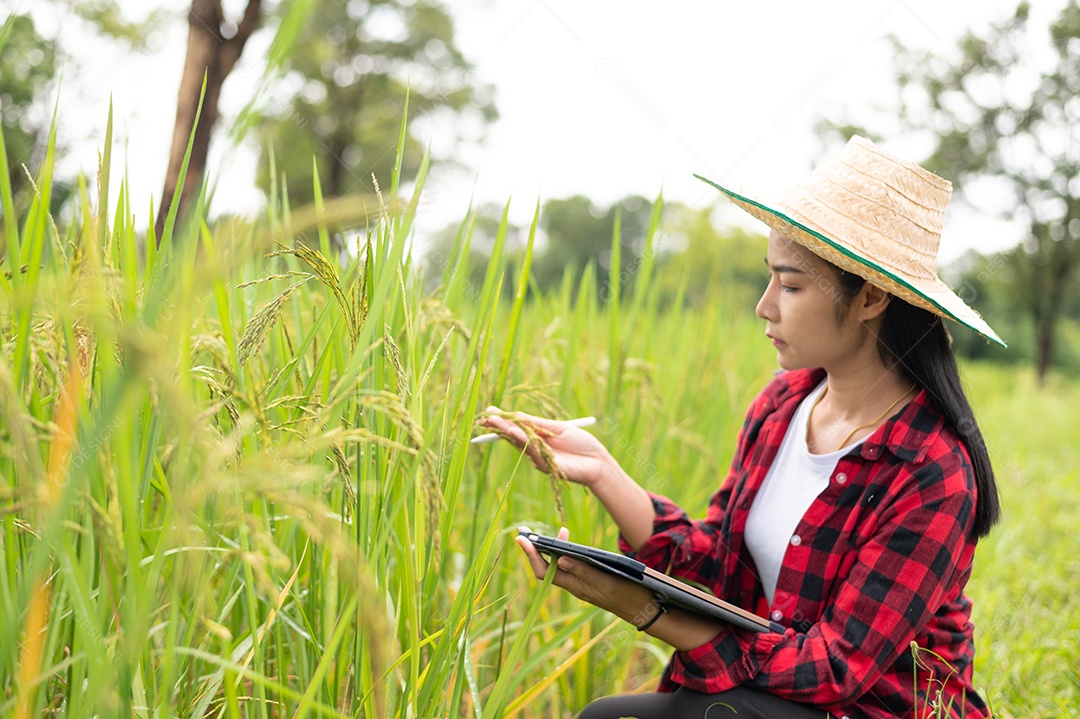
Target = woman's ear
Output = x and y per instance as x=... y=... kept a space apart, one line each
x=871 y=302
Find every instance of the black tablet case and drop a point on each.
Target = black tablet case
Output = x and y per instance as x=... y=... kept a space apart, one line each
x=671 y=590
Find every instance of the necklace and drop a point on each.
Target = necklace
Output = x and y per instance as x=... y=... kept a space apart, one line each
x=861 y=426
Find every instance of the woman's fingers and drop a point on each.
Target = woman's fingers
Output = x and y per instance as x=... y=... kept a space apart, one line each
x=571 y=571
x=549 y=427
x=588 y=583
x=552 y=425
x=536 y=562
x=497 y=422
x=517 y=435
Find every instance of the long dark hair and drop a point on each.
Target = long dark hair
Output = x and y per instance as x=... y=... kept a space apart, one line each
x=918 y=341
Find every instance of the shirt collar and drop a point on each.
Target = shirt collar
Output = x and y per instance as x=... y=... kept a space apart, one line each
x=907 y=435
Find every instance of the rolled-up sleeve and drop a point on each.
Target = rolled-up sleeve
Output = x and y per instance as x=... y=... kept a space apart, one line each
x=677 y=543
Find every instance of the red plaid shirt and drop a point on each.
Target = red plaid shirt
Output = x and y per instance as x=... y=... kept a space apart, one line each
x=878 y=562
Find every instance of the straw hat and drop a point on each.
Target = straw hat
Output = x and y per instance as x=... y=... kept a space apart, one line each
x=874 y=214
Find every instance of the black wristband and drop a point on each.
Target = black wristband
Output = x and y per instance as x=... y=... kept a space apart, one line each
x=661 y=608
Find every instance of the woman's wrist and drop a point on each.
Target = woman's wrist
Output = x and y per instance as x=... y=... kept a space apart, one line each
x=638 y=606
x=642 y=621
x=681 y=630
x=610 y=478
x=627 y=502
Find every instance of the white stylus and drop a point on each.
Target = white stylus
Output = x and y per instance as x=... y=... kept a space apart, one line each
x=579 y=422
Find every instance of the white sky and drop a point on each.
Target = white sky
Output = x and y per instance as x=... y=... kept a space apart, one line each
x=600 y=98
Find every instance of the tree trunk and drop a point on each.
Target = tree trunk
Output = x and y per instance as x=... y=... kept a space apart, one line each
x=1044 y=346
x=213 y=55
x=336 y=153
x=1058 y=273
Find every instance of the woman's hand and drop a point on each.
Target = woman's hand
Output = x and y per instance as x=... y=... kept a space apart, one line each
x=621 y=597
x=580 y=456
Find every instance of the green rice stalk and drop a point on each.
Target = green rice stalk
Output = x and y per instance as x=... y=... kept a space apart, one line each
x=454 y=274
x=403 y=226
x=320 y=212
x=535 y=438
x=271 y=278
x=519 y=303
x=615 y=354
x=174 y=204
x=500 y=692
x=393 y=355
x=399 y=153
x=328 y=276
x=360 y=297
x=9 y=278
x=103 y=182
x=643 y=277
x=262 y=322
x=431 y=363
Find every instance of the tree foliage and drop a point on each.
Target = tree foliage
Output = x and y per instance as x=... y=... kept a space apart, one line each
x=27 y=68
x=29 y=62
x=358 y=60
x=709 y=260
x=579 y=232
x=1003 y=115
x=698 y=260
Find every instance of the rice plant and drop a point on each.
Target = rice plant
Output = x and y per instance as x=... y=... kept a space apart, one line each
x=237 y=478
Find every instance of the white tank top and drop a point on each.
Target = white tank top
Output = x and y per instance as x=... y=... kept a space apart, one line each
x=795 y=478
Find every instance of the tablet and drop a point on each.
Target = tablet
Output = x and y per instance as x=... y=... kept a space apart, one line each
x=674 y=592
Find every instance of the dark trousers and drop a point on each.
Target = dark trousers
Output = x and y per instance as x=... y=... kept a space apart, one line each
x=742 y=702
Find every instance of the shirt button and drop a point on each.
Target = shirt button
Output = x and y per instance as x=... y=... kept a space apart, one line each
x=777 y=615
x=796 y=540
x=871 y=452
x=841 y=477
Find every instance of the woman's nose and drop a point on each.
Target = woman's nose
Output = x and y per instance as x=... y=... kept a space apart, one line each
x=766 y=308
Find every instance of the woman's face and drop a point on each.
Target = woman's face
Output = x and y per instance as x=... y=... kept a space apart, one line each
x=801 y=307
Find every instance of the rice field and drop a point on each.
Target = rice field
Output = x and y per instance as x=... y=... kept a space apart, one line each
x=236 y=477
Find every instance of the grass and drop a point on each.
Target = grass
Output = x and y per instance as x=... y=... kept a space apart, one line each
x=1023 y=586
x=236 y=479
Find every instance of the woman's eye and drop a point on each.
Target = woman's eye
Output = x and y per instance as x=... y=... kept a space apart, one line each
x=788 y=288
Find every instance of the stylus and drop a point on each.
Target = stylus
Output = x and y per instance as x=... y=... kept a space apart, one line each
x=579 y=422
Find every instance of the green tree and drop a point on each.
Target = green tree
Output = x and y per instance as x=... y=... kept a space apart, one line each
x=358 y=59
x=579 y=232
x=712 y=260
x=1003 y=112
x=27 y=69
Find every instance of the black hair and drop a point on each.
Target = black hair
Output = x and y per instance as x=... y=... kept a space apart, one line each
x=918 y=341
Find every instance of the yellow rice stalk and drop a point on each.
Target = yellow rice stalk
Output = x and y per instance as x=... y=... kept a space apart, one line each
x=37 y=618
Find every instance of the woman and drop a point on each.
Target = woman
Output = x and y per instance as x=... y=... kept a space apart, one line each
x=859 y=486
